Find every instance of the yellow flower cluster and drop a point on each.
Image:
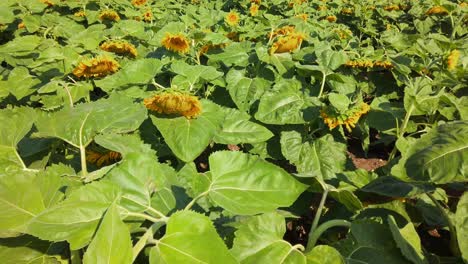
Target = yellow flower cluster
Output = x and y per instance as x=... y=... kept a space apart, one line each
x=110 y=15
x=343 y=33
x=347 y=11
x=138 y=2
x=232 y=18
x=369 y=64
x=288 y=40
x=331 y=19
x=80 y=13
x=303 y=17
x=100 y=159
x=392 y=8
x=253 y=9
x=119 y=47
x=96 y=67
x=348 y=119
x=176 y=42
x=296 y=2
x=174 y=103
x=282 y=31
x=452 y=59
x=437 y=10
x=148 y=16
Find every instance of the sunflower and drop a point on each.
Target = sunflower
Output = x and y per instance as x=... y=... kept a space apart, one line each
x=178 y=42
x=102 y=158
x=253 y=9
x=138 y=2
x=96 y=67
x=383 y=64
x=322 y=8
x=232 y=18
x=174 y=103
x=303 y=17
x=80 y=13
x=364 y=63
x=110 y=15
x=119 y=47
x=21 y=25
x=331 y=19
x=437 y=10
x=392 y=8
x=452 y=59
x=348 y=119
x=343 y=33
x=347 y=11
x=47 y=2
x=205 y=48
x=148 y=15
x=282 y=31
x=287 y=43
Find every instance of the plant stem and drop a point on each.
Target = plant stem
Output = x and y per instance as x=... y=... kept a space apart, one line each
x=84 y=169
x=192 y=203
x=75 y=257
x=141 y=243
x=156 y=212
x=453 y=232
x=319 y=210
x=315 y=235
x=401 y=132
x=324 y=78
x=147 y=217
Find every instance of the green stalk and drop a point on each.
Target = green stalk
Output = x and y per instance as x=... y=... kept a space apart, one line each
x=402 y=130
x=319 y=210
x=141 y=243
x=453 y=232
x=323 y=84
x=315 y=235
x=192 y=203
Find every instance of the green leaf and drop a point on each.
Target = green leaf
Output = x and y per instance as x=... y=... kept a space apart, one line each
x=187 y=138
x=30 y=250
x=331 y=60
x=137 y=72
x=88 y=38
x=260 y=240
x=407 y=239
x=234 y=54
x=124 y=144
x=419 y=94
x=245 y=184
x=339 y=101
x=190 y=75
x=20 y=201
x=112 y=242
x=163 y=200
x=441 y=155
x=78 y=126
x=394 y=187
x=20 y=83
x=138 y=176
x=65 y=222
x=322 y=157
x=324 y=254
x=6 y=15
x=245 y=91
x=21 y=45
x=461 y=224
x=51 y=183
x=190 y=238
x=238 y=129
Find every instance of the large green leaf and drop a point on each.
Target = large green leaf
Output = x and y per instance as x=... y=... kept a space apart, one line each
x=190 y=75
x=441 y=155
x=246 y=184
x=407 y=239
x=260 y=240
x=78 y=126
x=124 y=144
x=134 y=73
x=30 y=250
x=238 y=129
x=20 y=201
x=281 y=107
x=234 y=54
x=20 y=83
x=77 y=217
x=323 y=157
x=323 y=254
x=138 y=176
x=112 y=242
x=245 y=91
x=190 y=238
x=394 y=187
x=187 y=138
x=461 y=223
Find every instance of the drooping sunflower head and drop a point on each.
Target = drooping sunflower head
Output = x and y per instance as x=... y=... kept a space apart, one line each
x=80 y=13
x=452 y=59
x=109 y=15
x=138 y=2
x=119 y=47
x=287 y=43
x=96 y=67
x=176 y=42
x=349 y=119
x=437 y=10
x=392 y=8
x=331 y=19
x=174 y=103
x=102 y=158
x=282 y=31
x=232 y=18
x=347 y=11
x=253 y=9
x=148 y=16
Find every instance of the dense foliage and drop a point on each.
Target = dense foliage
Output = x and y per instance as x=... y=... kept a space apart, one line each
x=212 y=131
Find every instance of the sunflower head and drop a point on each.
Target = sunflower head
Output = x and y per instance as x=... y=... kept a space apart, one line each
x=21 y=25
x=331 y=19
x=303 y=17
x=138 y=2
x=437 y=10
x=147 y=16
x=347 y=11
x=96 y=67
x=109 y=15
x=102 y=158
x=348 y=119
x=232 y=18
x=452 y=59
x=80 y=13
x=322 y=8
x=119 y=47
x=253 y=9
x=282 y=31
x=287 y=43
x=392 y=8
x=177 y=103
x=176 y=42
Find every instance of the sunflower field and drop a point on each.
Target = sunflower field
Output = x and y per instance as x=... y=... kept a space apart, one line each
x=234 y=131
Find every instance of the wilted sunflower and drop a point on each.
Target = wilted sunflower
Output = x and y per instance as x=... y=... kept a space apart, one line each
x=437 y=10
x=253 y=9
x=96 y=67
x=282 y=31
x=232 y=18
x=119 y=47
x=383 y=64
x=348 y=119
x=178 y=42
x=331 y=19
x=287 y=43
x=102 y=158
x=452 y=59
x=138 y=2
x=392 y=8
x=148 y=16
x=80 y=13
x=174 y=103
x=110 y=15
